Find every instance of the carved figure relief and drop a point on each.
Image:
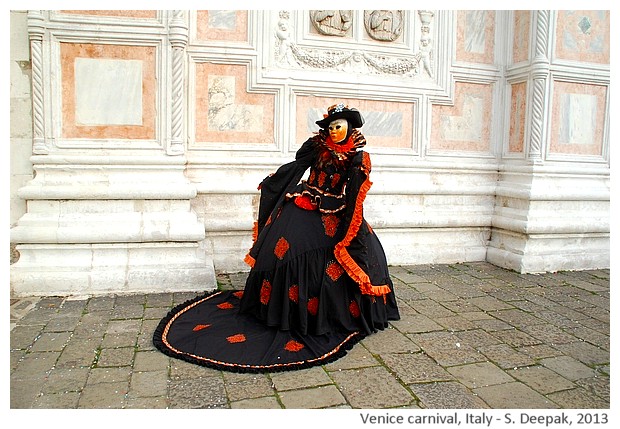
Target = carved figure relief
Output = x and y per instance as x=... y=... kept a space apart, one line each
x=332 y=22
x=384 y=25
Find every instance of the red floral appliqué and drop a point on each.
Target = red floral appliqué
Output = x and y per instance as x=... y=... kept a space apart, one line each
x=312 y=176
x=354 y=309
x=334 y=270
x=322 y=177
x=293 y=346
x=313 y=306
x=225 y=306
x=265 y=292
x=335 y=180
x=200 y=327
x=293 y=293
x=330 y=223
x=281 y=248
x=237 y=338
x=238 y=294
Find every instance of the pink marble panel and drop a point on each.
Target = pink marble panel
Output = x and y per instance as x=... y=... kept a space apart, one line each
x=521 y=42
x=116 y=13
x=583 y=35
x=222 y=25
x=69 y=52
x=226 y=111
x=465 y=126
x=387 y=124
x=475 y=38
x=517 y=117
x=578 y=118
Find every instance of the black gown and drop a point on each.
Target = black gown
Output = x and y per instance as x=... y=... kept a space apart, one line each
x=319 y=280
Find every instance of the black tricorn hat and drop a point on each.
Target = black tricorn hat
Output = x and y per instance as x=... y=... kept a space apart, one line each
x=341 y=111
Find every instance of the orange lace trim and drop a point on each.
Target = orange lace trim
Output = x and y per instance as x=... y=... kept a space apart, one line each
x=342 y=255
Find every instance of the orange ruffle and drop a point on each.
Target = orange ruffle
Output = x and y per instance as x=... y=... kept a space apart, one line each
x=342 y=255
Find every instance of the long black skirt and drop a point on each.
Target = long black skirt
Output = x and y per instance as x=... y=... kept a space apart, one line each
x=299 y=307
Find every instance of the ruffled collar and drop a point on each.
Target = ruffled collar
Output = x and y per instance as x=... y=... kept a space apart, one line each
x=330 y=151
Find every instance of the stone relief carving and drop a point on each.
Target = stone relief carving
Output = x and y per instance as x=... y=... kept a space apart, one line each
x=290 y=54
x=332 y=22
x=384 y=25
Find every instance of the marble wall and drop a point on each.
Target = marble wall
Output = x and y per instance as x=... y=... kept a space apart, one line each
x=480 y=124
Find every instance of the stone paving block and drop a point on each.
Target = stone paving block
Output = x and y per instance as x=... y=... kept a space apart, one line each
x=406 y=275
x=446 y=348
x=585 y=353
x=62 y=323
x=477 y=338
x=559 y=320
x=134 y=311
x=159 y=300
x=517 y=318
x=61 y=400
x=492 y=325
x=51 y=342
x=598 y=386
x=455 y=323
x=125 y=300
x=109 y=375
x=156 y=313
x=266 y=402
x=151 y=361
x=100 y=303
x=65 y=380
x=415 y=368
x=409 y=294
x=150 y=403
x=125 y=339
x=78 y=353
x=310 y=377
x=591 y=336
x=505 y=356
x=15 y=357
x=541 y=379
x=204 y=392
x=430 y=308
x=447 y=395
x=22 y=336
x=578 y=399
x=357 y=357
x=442 y=296
x=23 y=392
x=539 y=351
x=312 y=398
x=489 y=303
x=103 y=395
x=389 y=341
x=416 y=323
x=513 y=395
x=116 y=357
x=568 y=367
x=247 y=386
x=479 y=374
x=35 y=366
x=181 y=370
x=516 y=338
x=148 y=384
x=371 y=387
x=462 y=307
x=551 y=335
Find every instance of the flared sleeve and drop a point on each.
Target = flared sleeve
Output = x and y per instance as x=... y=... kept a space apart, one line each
x=274 y=188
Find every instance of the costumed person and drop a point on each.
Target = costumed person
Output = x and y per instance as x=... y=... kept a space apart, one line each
x=319 y=279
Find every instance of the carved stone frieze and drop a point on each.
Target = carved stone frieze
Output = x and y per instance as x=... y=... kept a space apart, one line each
x=289 y=54
x=384 y=25
x=332 y=22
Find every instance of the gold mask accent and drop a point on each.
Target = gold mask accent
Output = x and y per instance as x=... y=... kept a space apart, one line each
x=338 y=130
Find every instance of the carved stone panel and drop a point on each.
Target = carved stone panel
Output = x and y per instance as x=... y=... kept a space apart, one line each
x=332 y=22
x=384 y=25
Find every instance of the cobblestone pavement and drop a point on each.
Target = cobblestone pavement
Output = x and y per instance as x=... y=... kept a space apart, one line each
x=470 y=336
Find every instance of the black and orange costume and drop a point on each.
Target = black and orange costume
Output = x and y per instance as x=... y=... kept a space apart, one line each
x=319 y=279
